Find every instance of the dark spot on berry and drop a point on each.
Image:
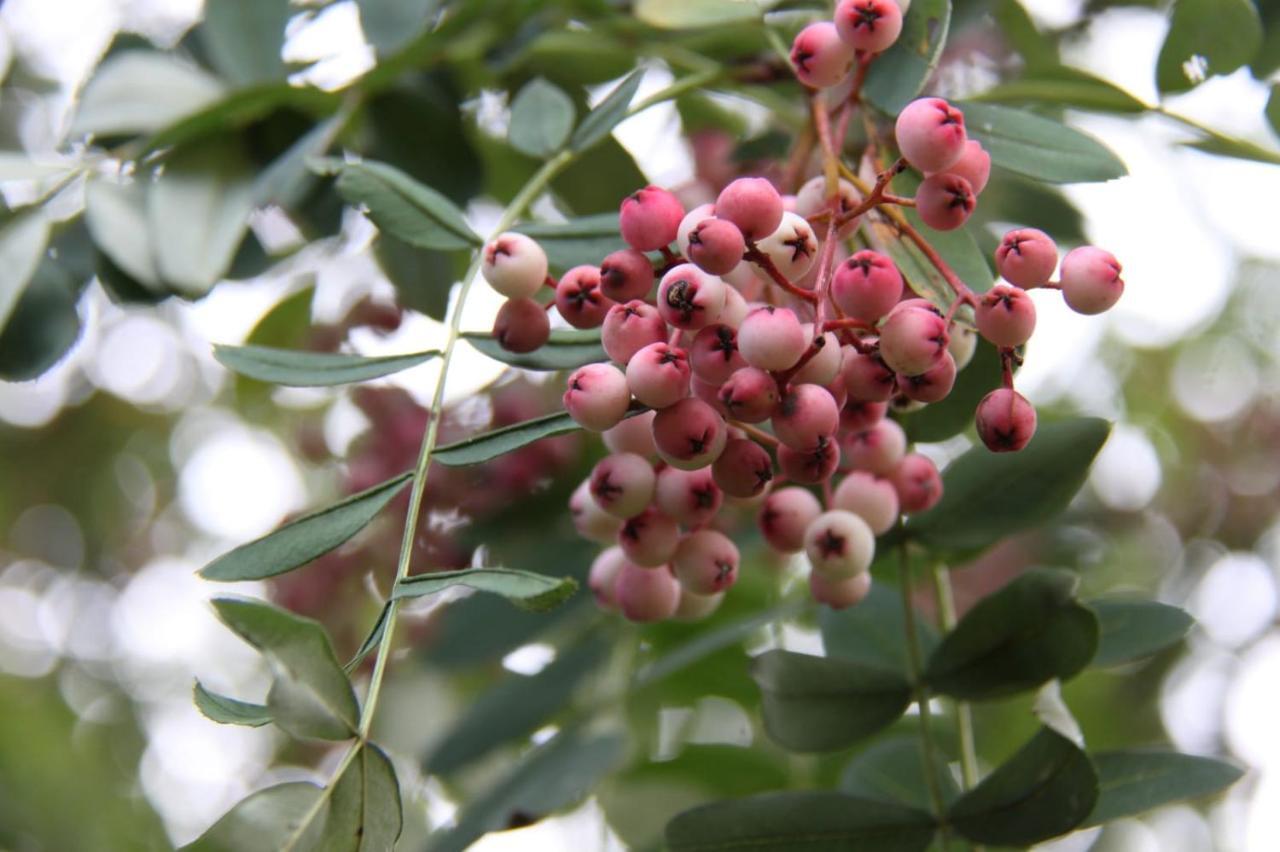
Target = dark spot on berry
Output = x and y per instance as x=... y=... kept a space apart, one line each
x=831 y=544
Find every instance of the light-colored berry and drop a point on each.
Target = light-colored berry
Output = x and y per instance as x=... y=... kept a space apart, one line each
x=658 y=375
x=753 y=205
x=912 y=340
x=690 y=496
x=622 y=484
x=878 y=450
x=597 y=396
x=824 y=367
x=689 y=298
x=714 y=354
x=592 y=522
x=839 y=594
x=819 y=56
x=649 y=539
x=1091 y=281
x=646 y=594
x=633 y=435
x=602 y=578
x=867 y=286
x=696 y=607
x=974 y=166
x=785 y=515
x=772 y=338
x=792 y=247
x=964 y=342
x=931 y=134
x=870 y=497
x=690 y=221
x=866 y=377
x=804 y=414
x=856 y=416
x=706 y=562
x=811 y=199
x=630 y=327
x=514 y=265
x=839 y=545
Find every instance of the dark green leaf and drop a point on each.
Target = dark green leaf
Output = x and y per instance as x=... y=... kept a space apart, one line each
x=942 y=420
x=541 y=117
x=422 y=277
x=583 y=241
x=313 y=369
x=873 y=633
x=1063 y=86
x=391 y=24
x=405 y=208
x=238 y=109
x=371 y=641
x=1132 y=629
x=244 y=39
x=898 y=75
x=499 y=442
x=525 y=589
x=116 y=214
x=142 y=91
x=565 y=350
x=817 y=821
x=687 y=14
x=298 y=542
x=229 y=711
x=310 y=695
x=823 y=704
x=1039 y=147
x=43 y=326
x=1207 y=38
x=364 y=807
x=268 y=821
x=1273 y=108
x=600 y=122
x=22 y=243
x=892 y=770
x=287 y=180
x=1135 y=781
x=123 y=288
x=987 y=496
x=1028 y=632
x=597 y=178
x=1046 y=789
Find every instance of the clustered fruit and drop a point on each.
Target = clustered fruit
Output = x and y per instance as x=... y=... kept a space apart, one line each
x=752 y=365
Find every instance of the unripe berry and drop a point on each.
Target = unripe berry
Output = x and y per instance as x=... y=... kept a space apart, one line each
x=866 y=286
x=714 y=354
x=824 y=367
x=964 y=342
x=772 y=338
x=521 y=325
x=689 y=298
x=706 y=562
x=604 y=575
x=866 y=377
x=933 y=384
x=632 y=435
x=792 y=247
x=753 y=205
x=804 y=414
x=689 y=434
x=716 y=246
x=658 y=375
x=626 y=275
x=784 y=517
x=744 y=469
x=819 y=56
x=836 y=388
x=931 y=134
x=708 y=392
x=918 y=483
x=695 y=607
x=514 y=265
x=912 y=340
x=878 y=450
x=854 y=417
x=691 y=220
x=811 y=465
x=870 y=25
x=622 y=484
x=579 y=298
x=945 y=201
x=1026 y=257
x=649 y=217
x=1006 y=421
x=735 y=306
x=811 y=200
x=690 y=496
x=1091 y=280
x=1006 y=315
x=649 y=539
x=646 y=594
x=974 y=166
x=839 y=594
x=749 y=395
x=630 y=327
x=870 y=497
x=597 y=396
x=592 y=522
x=839 y=545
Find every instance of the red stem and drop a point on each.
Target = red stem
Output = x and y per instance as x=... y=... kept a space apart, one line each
x=765 y=262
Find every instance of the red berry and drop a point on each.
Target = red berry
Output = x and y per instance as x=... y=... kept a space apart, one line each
x=1006 y=421
x=649 y=539
x=918 y=483
x=1026 y=257
x=692 y=496
x=1006 y=315
x=597 y=396
x=784 y=517
x=716 y=246
x=753 y=205
x=974 y=166
x=819 y=56
x=521 y=325
x=649 y=218
x=933 y=384
x=626 y=275
x=658 y=375
x=630 y=327
x=804 y=414
x=812 y=465
x=945 y=201
x=931 y=134
x=866 y=286
x=706 y=562
x=579 y=298
x=749 y=395
x=854 y=417
x=869 y=25
x=744 y=469
x=866 y=377
x=714 y=354
x=622 y=484
x=689 y=434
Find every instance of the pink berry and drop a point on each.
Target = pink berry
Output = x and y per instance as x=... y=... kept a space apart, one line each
x=772 y=338
x=658 y=375
x=869 y=25
x=691 y=496
x=753 y=205
x=735 y=307
x=866 y=286
x=649 y=539
x=689 y=298
x=839 y=594
x=689 y=434
x=811 y=199
x=945 y=201
x=1006 y=315
x=714 y=354
x=812 y=465
x=716 y=246
x=744 y=469
x=623 y=484
x=521 y=325
x=974 y=166
x=579 y=298
x=824 y=367
x=866 y=377
x=931 y=134
x=708 y=392
x=878 y=450
x=933 y=384
x=819 y=56
x=964 y=343
x=784 y=517
x=706 y=562
x=870 y=497
x=912 y=340
x=630 y=327
x=918 y=483
x=604 y=574
x=592 y=522
x=691 y=220
x=632 y=435
x=649 y=218
x=749 y=395
x=792 y=246
x=1026 y=257
x=854 y=417
x=804 y=414
x=1091 y=280
x=1006 y=421
x=695 y=607
x=597 y=396
x=646 y=594
x=626 y=275
x=839 y=545
x=514 y=265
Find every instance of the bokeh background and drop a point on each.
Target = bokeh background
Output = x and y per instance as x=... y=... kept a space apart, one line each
x=138 y=458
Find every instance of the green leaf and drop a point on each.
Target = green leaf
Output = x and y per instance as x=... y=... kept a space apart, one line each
x=988 y=496
x=391 y=24
x=364 y=807
x=44 y=324
x=892 y=770
x=490 y=445
x=371 y=641
x=238 y=109
x=873 y=633
x=939 y=421
x=404 y=208
x=313 y=369
x=688 y=14
x=541 y=117
x=577 y=242
x=567 y=349
x=1136 y=781
x=898 y=75
x=267 y=821
x=823 y=704
x=287 y=180
x=198 y=212
x=516 y=707
x=600 y=122
x=1273 y=108
x=229 y=711
x=310 y=695
x=1028 y=632
x=1223 y=35
x=116 y=214
x=1063 y=86
x=142 y=91
x=22 y=243
x=1046 y=789
x=801 y=820
x=1133 y=629
x=298 y=542
x=1229 y=146
x=525 y=589
x=1039 y=147
x=244 y=39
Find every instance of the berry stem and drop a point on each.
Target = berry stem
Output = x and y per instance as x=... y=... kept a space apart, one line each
x=877 y=196
x=1007 y=359
x=551 y=282
x=760 y=436
x=964 y=713
x=762 y=260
